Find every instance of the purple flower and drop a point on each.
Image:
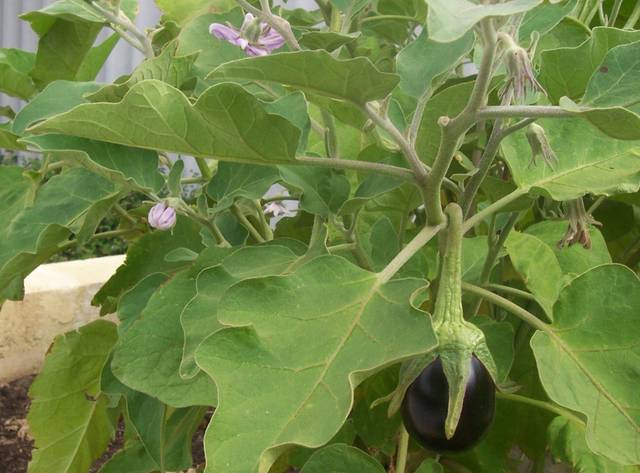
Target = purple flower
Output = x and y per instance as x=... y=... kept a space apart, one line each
x=254 y=37
x=162 y=217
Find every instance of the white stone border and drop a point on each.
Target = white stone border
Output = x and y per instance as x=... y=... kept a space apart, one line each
x=57 y=299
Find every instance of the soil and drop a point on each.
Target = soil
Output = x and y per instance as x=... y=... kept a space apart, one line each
x=16 y=445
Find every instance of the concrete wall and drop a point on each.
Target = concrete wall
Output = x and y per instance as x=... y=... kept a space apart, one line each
x=57 y=299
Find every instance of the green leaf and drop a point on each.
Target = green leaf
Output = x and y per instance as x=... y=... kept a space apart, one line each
x=195 y=38
x=374 y=427
x=423 y=60
x=575 y=259
x=474 y=254
x=362 y=327
x=567 y=442
x=340 y=458
x=15 y=66
x=145 y=257
x=317 y=72
x=589 y=162
x=165 y=433
x=430 y=465
x=449 y=20
x=96 y=58
x=226 y=122
x=123 y=165
x=590 y=374
x=234 y=180
x=537 y=263
x=199 y=317
x=566 y=71
x=67 y=30
x=450 y=102
x=610 y=90
x=133 y=458
x=36 y=223
x=167 y=67
x=499 y=336
x=327 y=40
x=323 y=190
x=68 y=418
x=183 y=10
x=614 y=82
x=9 y=140
x=147 y=356
x=544 y=18
x=57 y=97
x=294 y=108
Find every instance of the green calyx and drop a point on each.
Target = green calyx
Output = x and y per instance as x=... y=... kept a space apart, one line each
x=458 y=340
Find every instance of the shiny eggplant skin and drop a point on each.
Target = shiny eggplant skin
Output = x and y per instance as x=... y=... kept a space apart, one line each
x=424 y=408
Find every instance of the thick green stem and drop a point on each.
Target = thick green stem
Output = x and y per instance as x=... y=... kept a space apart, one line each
x=633 y=18
x=454 y=129
x=403 y=448
x=448 y=308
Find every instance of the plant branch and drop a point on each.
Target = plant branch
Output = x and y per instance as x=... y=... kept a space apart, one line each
x=512 y=291
x=244 y=221
x=523 y=111
x=98 y=236
x=421 y=239
x=365 y=166
x=126 y=28
x=409 y=152
x=509 y=306
x=493 y=208
x=547 y=406
x=453 y=129
x=634 y=17
x=403 y=447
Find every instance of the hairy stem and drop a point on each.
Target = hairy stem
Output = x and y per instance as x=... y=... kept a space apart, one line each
x=127 y=29
x=365 y=166
x=493 y=208
x=454 y=129
x=512 y=291
x=547 y=406
x=244 y=221
x=506 y=304
x=421 y=239
x=403 y=447
x=523 y=111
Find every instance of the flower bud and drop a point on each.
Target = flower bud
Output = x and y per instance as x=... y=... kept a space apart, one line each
x=162 y=217
x=521 y=79
x=540 y=146
x=579 y=222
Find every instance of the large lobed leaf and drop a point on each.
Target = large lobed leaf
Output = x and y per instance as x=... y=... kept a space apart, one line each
x=546 y=268
x=155 y=354
x=69 y=418
x=449 y=20
x=317 y=72
x=226 y=122
x=35 y=222
x=589 y=359
x=589 y=162
x=349 y=325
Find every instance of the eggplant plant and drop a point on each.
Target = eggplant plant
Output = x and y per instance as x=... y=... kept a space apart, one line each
x=374 y=235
